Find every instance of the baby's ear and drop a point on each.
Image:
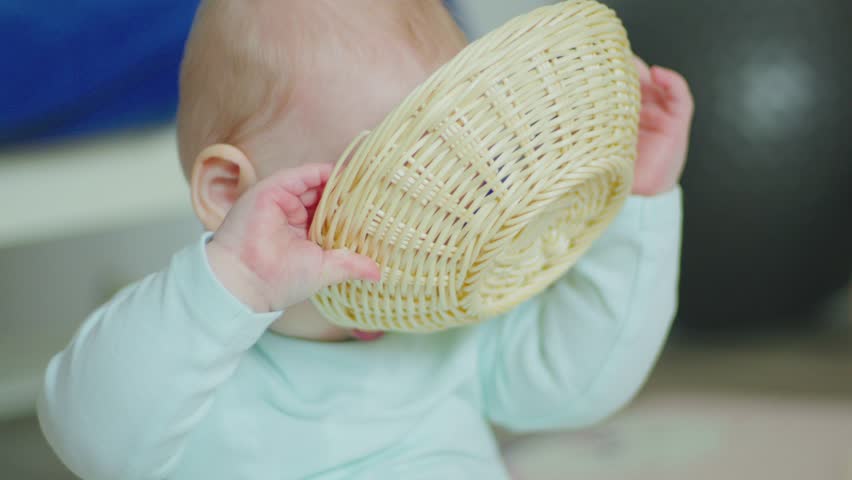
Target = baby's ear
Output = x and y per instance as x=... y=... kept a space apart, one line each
x=221 y=174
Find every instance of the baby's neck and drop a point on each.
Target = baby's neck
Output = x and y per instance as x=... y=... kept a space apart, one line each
x=304 y=321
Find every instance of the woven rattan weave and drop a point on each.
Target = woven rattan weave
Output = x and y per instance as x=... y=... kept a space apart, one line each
x=490 y=180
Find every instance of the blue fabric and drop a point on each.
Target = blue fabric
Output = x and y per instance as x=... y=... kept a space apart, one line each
x=74 y=68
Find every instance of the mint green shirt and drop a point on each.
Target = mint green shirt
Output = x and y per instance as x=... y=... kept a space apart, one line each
x=176 y=379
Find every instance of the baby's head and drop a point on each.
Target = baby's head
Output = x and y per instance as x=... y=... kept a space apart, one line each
x=271 y=84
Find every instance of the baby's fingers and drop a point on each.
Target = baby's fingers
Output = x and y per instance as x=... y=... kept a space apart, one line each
x=675 y=88
x=342 y=266
x=311 y=197
x=297 y=181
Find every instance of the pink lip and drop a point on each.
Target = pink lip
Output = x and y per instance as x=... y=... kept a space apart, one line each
x=367 y=336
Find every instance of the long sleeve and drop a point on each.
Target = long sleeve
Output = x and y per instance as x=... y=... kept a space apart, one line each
x=142 y=371
x=582 y=349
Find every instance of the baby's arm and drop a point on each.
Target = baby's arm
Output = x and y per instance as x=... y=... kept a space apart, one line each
x=142 y=371
x=583 y=348
x=120 y=401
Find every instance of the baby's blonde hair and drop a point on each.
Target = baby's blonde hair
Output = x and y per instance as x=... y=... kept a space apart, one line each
x=244 y=59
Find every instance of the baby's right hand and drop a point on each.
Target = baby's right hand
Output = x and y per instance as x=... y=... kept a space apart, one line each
x=261 y=253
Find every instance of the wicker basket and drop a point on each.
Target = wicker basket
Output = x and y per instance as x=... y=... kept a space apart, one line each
x=490 y=180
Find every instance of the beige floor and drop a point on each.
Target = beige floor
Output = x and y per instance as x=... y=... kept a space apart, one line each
x=699 y=437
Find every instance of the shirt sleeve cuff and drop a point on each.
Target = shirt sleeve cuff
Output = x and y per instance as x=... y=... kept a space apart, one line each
x=225 y=315
x=661 y=211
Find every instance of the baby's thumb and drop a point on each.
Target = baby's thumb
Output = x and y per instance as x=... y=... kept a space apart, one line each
x=342 y=265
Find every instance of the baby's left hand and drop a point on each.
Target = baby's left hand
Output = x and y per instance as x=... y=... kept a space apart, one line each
x=664 y=124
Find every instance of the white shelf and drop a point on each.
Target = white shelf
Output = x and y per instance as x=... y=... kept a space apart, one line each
x=69 y=189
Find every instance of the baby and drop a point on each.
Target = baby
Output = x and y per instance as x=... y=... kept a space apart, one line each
x=218 y=368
